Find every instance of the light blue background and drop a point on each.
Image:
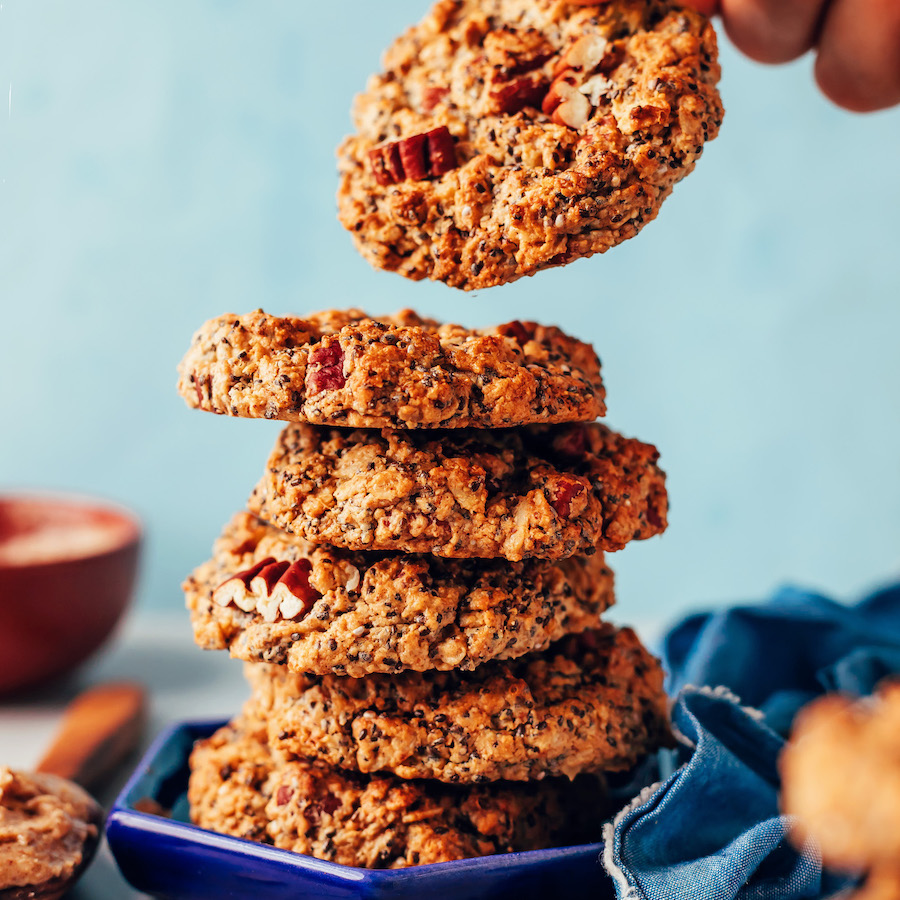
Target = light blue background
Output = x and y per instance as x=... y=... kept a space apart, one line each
x=161 y=163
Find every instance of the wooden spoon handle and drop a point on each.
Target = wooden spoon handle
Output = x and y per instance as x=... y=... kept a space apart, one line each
x=99 y=729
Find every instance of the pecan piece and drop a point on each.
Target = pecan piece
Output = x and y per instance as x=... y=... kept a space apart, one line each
x=566 y=105
x=572 y=442
x=294 y=594
x=585 y=55
x=561 y=259
x=432 y=153
x=325 y=369
x=327 y=804
x=432 y=96
x=414 y=156
x=562 y=495
x=441 y=151
x=237 y=590
x=514 y=96
x=518 y=331
x=266 y=578
x=386 y=165
x=269 y=588
x=576 y=90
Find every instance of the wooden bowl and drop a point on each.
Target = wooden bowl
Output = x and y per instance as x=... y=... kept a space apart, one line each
x=67 y=570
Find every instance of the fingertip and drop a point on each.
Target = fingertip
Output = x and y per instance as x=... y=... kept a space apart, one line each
x=850 y=93
x=858 y=61
x=772 y=31
x=707 y=7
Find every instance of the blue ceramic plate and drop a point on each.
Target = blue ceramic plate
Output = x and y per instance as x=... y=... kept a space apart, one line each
x=170 y=858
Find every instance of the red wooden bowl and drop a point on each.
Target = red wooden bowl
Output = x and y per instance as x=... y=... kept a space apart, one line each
x=67 y=570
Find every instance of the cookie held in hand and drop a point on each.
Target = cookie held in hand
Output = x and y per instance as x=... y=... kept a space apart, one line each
x=509 y=136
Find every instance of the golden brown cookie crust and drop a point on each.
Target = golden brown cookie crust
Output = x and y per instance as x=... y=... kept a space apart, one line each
x=841 y=779
x=566 y=126
x=590 y=703
x=373 y=612
x=239 y=787
x=882 y=883
x=519 y=493
x=401 y=371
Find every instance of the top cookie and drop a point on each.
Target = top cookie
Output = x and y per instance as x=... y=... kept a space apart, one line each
x=509 y=136
x=401 y=371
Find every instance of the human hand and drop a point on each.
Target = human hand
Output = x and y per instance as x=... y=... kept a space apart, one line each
x=857 y=42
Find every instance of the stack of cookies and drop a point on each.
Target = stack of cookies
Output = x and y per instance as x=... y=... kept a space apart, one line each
x=417 y=586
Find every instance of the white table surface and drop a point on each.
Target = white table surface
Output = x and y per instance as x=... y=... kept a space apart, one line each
x=183 y=683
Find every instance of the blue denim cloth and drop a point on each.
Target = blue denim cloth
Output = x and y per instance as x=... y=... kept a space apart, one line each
x=712 y=829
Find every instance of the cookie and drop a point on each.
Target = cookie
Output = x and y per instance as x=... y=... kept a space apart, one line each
x=590 y=703
x=402 y=371
x=841 y=779
x=516 y=493
x=239 y=787
x=509 y=136
x=882 y=883
x=354 y=613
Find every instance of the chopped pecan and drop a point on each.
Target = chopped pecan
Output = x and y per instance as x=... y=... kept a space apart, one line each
x=432 y=96
x=572 y=442
x=237 y=588
x=327 y=804
x=513 y=96
x=518 y=331
x=294 y=594
x=517 y=55
x=566 y=105
x=267 y=577
x=385 y=163
x=269 y=588
x=432 y=153
x=563 y=493
x=563 y=258
x=580 y=80
x=585 y=55
x=414 y=156
x=441 y=151
x=325 y=371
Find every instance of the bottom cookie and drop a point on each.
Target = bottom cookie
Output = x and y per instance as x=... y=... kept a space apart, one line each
x=239 y=787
